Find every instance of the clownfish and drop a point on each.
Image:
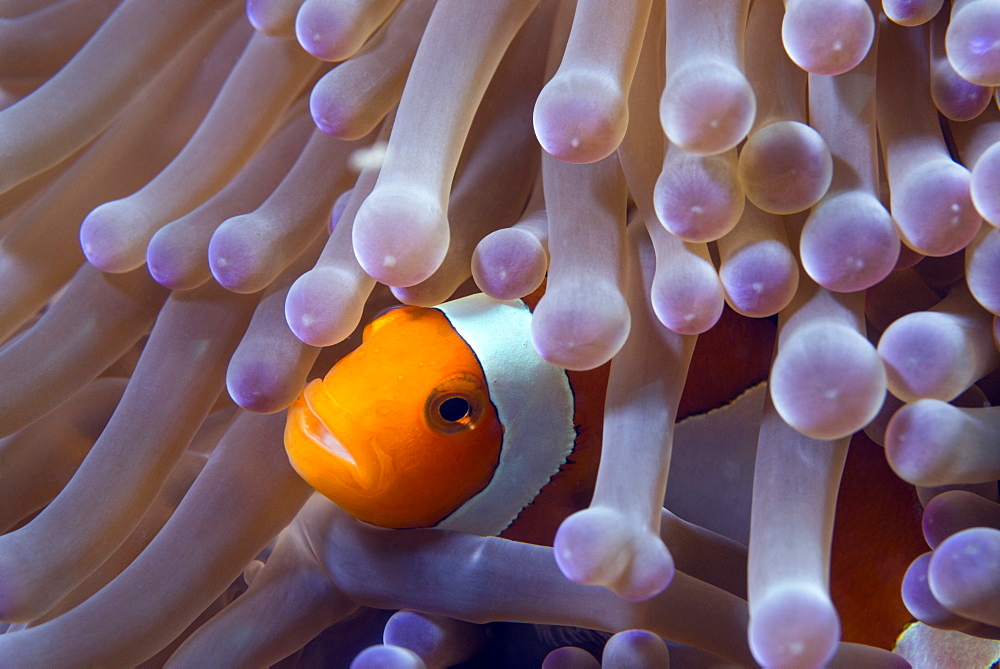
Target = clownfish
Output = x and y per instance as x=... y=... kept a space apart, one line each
x=447 y=417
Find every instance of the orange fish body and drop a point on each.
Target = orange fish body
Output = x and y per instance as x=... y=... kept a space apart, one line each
x=447 y=417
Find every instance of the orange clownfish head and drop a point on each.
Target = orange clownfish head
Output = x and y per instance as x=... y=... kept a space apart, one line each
x=443 y=417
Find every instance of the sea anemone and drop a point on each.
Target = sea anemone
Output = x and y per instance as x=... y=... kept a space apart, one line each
x=199 y=205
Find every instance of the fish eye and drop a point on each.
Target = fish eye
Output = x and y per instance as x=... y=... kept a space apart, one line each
x=454 y=409
x=456 y=405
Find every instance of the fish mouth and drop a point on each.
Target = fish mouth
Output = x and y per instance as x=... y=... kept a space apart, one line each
x=324 y=437
x=356 y=463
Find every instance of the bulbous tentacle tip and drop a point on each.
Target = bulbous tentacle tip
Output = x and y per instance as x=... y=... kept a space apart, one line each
x=324 y=32
x=827 y=36
x=963 y=573
x=920 y=601
x=785 y=167
x=438 y=640
x=580 y=117
x=972 y=42
x=112 y=238
x=324 y=305
x=934 y=208
x=827 y=382
x=570 y=657
x=795 y=626
x=170 y=271
x=688 y=307
x=707 y=107
x=400 y=237
x=599 y=546
x=849 y=242
x=956 y=98
x=580 y=336
x=699 y=198
x=910 y=13
x=509 y=263
x=387 y=657
x=635 y=648
x=254 y=388
x=917 y=441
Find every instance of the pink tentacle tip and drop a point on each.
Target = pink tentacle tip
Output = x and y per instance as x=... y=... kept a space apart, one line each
x=254 y=386
x=330 y=112
x=827 y=36
x=707 y=107
x=105 y=238
x=509 y=263
x=963 y=573
x=795 y=626
x=315 y=306
x=573 y=334
x=634 y=648
x=599 y=546
x=827 y=381
x=387 y=657
x=400 y=237
x=323 y=32
x=169 y=268
x=231 y=256
x=580 y=118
